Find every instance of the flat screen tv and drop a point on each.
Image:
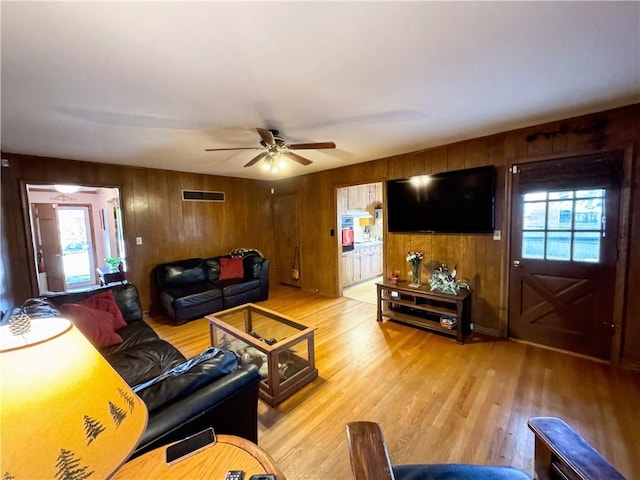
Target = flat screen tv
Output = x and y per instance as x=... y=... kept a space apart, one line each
x=460 y=201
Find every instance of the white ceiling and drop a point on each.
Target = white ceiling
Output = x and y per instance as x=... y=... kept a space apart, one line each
x=155 y=83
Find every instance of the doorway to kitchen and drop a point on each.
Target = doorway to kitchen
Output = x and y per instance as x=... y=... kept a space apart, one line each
x=76 y=231
x=360 y=216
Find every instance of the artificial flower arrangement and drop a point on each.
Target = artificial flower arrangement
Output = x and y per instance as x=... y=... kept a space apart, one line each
x=415 y=257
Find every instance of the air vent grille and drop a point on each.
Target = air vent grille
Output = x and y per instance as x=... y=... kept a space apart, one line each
x=202 y=196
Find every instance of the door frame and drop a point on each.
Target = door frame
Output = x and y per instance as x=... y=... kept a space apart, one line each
x=28 y=231
x=622 y=263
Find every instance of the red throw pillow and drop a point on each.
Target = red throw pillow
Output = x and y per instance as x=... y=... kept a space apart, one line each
x=96 y=325
x=231 y=268
x=105 y=301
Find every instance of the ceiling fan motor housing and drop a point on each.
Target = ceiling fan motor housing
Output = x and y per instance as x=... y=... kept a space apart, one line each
x=279 y=141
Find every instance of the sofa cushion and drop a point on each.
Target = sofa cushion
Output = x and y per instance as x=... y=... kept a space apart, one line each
x=179 y=386
x=126 y=297
x=181 y=273
x=96 y=325
x=145 y=361
x=192 y=294
x=457 y=471
x=231 y=287
x=230 y=268
x=105 y=301
x=213 y=268
x=133 y=334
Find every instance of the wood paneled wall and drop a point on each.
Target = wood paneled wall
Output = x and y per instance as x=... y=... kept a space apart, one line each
x=152 y=208
x=172 y=229
x=480 y=260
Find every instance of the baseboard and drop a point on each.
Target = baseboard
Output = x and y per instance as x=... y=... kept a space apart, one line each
x=494 y=332
x=560 y=350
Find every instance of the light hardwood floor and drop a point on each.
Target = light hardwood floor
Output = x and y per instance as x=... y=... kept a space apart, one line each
x=437 y=401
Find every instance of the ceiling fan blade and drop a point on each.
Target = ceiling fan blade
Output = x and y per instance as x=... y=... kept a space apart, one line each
x=256 y=159
x=267 y=137
x=237 y=148
x=297 y=158
x=312 y=146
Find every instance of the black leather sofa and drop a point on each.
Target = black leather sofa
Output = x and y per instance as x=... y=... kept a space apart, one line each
x=215 y=393
x=191 y=288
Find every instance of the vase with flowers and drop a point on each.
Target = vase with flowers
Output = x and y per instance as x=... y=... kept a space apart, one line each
x=415 y=259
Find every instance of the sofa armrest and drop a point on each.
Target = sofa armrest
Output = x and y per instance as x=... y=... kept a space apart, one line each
x=229 y=405
x=561 y=453
x=264 y=279
x=368 y=451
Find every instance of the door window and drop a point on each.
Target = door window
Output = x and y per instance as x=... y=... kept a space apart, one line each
x=74 y=230
x=564 y=225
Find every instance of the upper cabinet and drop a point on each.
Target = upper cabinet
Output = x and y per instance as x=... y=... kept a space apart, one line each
x=342 y=201
x=364 y=197
x=357 y=197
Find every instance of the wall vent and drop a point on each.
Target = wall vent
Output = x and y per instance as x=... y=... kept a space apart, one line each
x=202 y=196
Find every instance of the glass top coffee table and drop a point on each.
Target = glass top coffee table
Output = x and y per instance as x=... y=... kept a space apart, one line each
x=282 y=348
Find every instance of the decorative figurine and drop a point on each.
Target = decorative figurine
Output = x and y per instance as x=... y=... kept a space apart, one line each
x=443 y=281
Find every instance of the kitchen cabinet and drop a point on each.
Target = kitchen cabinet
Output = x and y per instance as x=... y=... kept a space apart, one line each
x=361 y=197
x=357 y=265
x=347 y=268
x=342 y=201
x=363 y=263
x=358 y=197
x=376 y=260
x=375 y=197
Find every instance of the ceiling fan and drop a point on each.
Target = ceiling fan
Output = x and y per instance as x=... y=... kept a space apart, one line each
x=275 y=147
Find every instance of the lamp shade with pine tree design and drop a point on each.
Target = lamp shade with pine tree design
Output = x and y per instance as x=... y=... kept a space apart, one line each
x=65 y=413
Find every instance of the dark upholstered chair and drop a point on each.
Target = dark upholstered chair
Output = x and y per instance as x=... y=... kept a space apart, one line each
x=560 y=453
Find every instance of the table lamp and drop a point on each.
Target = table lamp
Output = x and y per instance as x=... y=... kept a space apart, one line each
x=65 y=412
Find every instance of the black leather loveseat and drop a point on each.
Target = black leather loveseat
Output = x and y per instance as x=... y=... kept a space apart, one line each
x=192 y=288
x=215 y=393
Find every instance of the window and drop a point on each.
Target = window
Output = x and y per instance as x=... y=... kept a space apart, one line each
x=563 y=225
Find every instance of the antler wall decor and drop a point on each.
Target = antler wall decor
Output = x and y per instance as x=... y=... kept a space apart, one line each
x=599 y=127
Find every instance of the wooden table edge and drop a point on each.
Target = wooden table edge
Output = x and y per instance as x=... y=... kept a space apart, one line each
x=267 y=462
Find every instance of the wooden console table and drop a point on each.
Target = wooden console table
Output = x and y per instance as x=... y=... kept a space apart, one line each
x=422 y=308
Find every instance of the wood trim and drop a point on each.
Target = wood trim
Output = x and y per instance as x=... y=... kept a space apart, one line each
x=622 y=266
x=494 y=332
x=28 y=232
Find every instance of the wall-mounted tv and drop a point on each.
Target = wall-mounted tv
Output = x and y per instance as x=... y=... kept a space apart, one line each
x=460 y=201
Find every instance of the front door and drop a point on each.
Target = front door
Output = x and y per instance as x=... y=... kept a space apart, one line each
x=563 y=252
x=48 y=248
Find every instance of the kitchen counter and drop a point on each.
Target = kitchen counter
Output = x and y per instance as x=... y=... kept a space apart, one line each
x=371 y=243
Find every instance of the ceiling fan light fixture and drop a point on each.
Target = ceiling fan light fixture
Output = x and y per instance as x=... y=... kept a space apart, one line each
x=275 y=148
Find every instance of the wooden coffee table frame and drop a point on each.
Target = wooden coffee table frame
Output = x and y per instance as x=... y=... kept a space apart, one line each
x=274 y=390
